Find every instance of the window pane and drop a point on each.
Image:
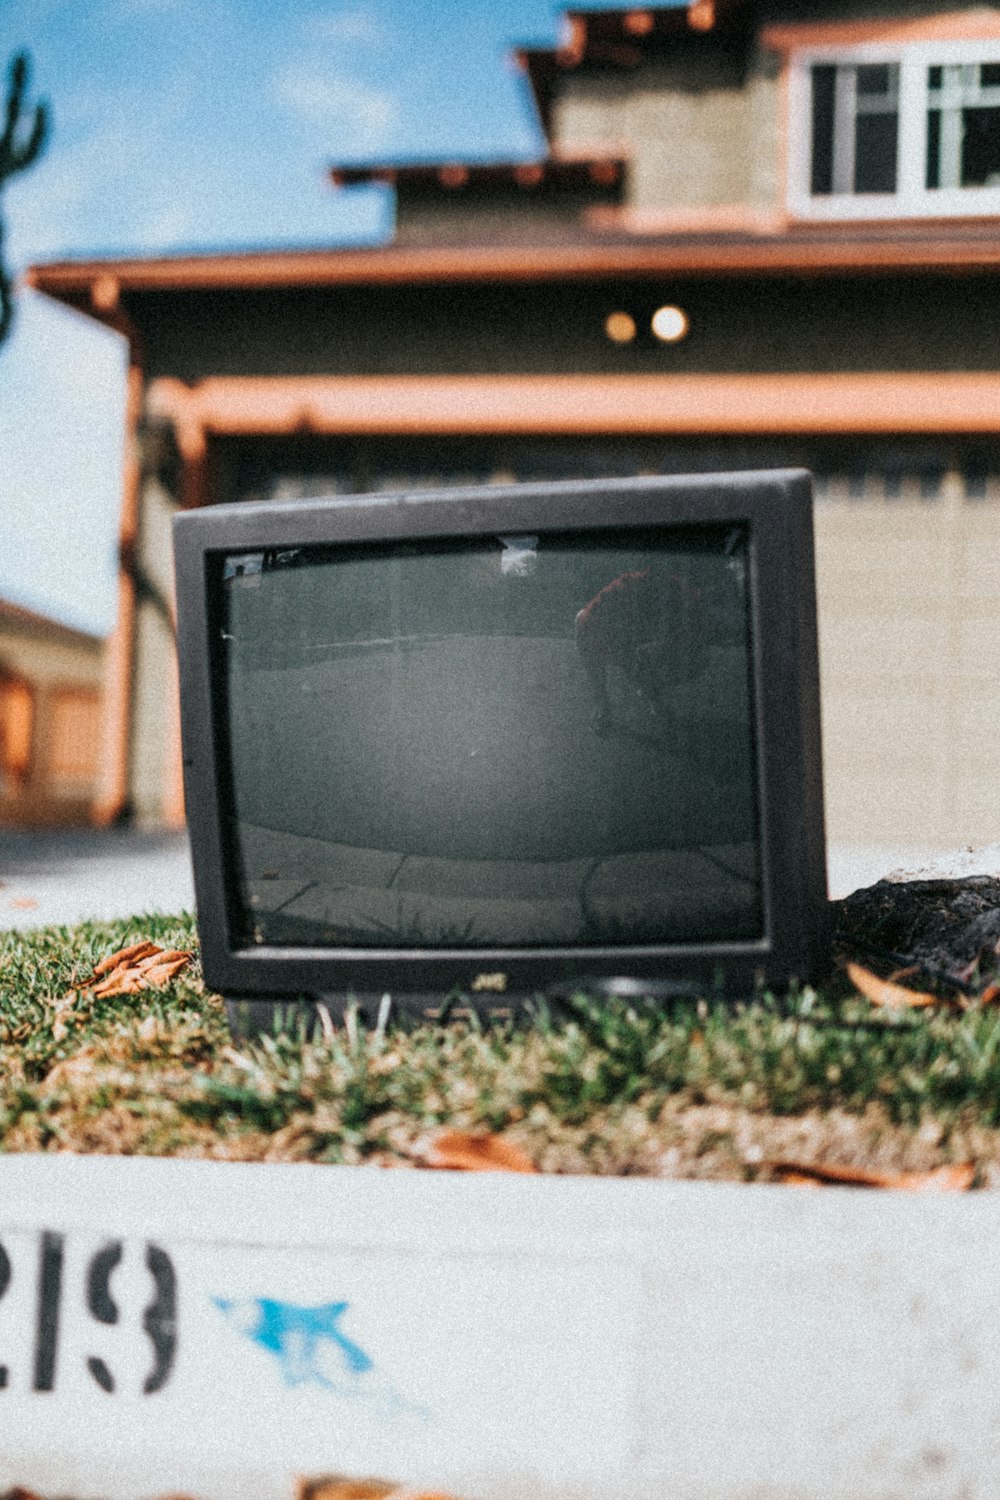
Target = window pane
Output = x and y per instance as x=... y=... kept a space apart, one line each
x=876 y=79
x=875 y=153
x=981 y=147
x=963 y=125
x=855 y=128
x=823 y=84
x=934 y=147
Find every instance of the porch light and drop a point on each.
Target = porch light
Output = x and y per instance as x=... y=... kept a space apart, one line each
x=670 y=324
x=620 y=327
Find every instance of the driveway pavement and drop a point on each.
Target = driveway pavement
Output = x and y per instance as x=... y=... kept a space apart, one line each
x=68 y=876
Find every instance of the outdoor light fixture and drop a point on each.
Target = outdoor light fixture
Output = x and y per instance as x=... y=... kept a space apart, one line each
x=620 y=327
x=701 y=15
x=670 y=324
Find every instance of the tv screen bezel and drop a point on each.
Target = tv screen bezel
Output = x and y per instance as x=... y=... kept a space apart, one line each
x=776 y=509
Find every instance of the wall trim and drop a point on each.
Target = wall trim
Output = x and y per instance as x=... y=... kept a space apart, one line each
x=947 y=26
x=820 y=404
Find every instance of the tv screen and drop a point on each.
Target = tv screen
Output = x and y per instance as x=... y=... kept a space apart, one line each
x=498 y=742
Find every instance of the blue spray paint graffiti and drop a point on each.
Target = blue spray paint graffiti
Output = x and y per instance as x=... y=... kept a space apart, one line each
x=310 y=1347
x=295 y=1335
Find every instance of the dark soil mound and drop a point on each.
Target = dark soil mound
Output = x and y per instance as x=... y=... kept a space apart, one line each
x=948 y=928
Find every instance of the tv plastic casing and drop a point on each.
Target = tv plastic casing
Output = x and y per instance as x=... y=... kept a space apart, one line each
x=775 y=507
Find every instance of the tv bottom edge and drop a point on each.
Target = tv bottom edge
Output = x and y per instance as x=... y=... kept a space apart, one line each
x=492 y=998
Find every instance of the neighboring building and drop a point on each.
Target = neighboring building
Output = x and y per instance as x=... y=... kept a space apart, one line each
x=809 y=190
x=50 y=719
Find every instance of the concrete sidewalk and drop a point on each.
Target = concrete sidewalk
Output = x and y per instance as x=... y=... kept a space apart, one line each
x=51 y=878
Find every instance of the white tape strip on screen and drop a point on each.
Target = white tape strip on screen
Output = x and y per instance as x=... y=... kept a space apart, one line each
x=227 y=1330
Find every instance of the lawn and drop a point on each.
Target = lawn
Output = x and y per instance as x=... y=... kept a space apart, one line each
x=699 y=1091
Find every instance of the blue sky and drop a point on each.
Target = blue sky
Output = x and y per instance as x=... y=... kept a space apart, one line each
x=197 y=124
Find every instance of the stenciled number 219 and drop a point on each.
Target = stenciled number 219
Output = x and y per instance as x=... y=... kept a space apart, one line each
x=159 y=1317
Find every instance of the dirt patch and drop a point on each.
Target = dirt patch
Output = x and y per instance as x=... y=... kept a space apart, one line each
x=948 y=929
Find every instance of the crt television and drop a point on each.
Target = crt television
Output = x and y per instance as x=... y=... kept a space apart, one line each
x=504 y=741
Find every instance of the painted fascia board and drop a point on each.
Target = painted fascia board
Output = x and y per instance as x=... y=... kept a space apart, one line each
x=577 y=404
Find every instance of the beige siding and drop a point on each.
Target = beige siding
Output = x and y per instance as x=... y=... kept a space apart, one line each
x=910 y=641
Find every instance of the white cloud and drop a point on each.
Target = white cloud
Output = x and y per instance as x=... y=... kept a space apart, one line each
x=354 y=115
x=347 y=27
x=171 y=224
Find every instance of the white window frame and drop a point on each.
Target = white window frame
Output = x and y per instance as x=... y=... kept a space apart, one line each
x=912 y=199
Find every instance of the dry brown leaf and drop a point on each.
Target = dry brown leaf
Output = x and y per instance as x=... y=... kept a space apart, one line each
x=143 y=966
x=124 y=956
x=337 y=1487
x=421 y=1495
x=120 y=982
x=161 y=972
x=884 y=992
x=468 y=1151
x=950 y=1179
x=23 y=903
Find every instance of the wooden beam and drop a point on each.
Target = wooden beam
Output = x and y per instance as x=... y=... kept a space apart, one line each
x=816 y=404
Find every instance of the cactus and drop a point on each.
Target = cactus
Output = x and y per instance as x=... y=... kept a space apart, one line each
x=20 y=145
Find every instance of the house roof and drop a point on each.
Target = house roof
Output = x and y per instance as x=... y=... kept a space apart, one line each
x=96 y=287
x=603 y=241
x=580 y=173
x=27 y=622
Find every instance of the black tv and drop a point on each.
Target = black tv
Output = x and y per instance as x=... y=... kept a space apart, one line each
x=479 y=745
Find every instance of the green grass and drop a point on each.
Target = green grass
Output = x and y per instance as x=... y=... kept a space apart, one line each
x=701 y=1090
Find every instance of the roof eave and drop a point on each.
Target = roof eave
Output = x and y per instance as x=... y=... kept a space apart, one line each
x=96 y=286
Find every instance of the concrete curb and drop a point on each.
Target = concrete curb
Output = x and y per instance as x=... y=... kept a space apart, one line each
x=492 y=1336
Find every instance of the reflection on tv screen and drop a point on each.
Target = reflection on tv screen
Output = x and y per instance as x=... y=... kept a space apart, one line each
x=505 y=741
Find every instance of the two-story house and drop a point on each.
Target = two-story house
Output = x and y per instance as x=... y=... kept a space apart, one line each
x=763 y=231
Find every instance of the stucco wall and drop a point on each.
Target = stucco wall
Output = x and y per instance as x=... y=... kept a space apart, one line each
x=701 y=133
x=704 y=127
